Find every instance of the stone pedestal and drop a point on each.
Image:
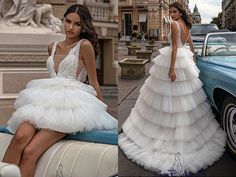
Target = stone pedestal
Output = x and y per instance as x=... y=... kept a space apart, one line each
x=132 y=50
x=164 y=44
x=144 y=54
x=22 y=58
x=127 y=43
x=150 y=47
x=132 y=68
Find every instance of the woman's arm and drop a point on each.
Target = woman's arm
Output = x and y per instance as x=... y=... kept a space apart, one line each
x=190 y=41
x=50 y=46
x=174 y=38
x=87 y=54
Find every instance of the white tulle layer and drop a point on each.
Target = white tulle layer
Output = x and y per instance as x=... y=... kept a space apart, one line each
x=60 y=104
x=185 y=68
x=162 y=162
x=174 y=88
x=172 y=122
x=163 y=142
x=184 y=58
x=172 y=104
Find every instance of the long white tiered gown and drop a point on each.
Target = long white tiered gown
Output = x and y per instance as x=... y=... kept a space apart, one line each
x=62 y=102
x=171 y=127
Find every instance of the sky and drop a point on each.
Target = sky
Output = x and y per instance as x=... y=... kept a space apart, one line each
x=207 y=8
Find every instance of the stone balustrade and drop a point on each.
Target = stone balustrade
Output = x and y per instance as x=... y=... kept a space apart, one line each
x=100 y=11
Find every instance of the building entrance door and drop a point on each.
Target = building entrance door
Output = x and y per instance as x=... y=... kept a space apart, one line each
x=127 y=18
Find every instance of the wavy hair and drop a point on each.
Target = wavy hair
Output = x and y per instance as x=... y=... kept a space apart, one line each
x=185 y=16
x=88 y=31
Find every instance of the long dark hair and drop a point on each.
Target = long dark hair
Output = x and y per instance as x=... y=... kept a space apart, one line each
x=187 y=19
x=88 y=31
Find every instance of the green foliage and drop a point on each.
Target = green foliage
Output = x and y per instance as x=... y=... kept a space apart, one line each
x=139 y=35
x=152 y=41
x=217 y=20
x=134 y=34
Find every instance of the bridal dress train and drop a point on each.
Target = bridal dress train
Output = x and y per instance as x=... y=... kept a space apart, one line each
x=62 y=102
x=171 y=128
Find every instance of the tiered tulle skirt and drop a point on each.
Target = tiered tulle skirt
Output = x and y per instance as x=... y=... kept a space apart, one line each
x=61 y=104
x=171 y=129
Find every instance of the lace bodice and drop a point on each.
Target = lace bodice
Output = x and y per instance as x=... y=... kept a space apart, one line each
x=179 y=43
x=68 y=66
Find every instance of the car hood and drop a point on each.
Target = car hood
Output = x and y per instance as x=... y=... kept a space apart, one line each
x=226 y=61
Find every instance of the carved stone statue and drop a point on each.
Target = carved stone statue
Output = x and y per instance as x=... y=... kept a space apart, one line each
x=28 y=12
x=44 y=15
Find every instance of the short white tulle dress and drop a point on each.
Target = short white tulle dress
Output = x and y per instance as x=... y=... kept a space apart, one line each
x=62 y=102
x=171 y=129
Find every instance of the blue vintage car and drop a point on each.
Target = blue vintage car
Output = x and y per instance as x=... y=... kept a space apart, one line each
x=217 y=64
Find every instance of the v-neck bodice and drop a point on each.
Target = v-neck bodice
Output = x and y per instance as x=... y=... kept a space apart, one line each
x=69 y=65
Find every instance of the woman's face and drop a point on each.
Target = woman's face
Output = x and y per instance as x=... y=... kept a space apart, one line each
x=72 y=25
x=174 y=13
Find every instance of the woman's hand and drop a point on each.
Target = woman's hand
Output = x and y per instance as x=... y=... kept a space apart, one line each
x=172 y=74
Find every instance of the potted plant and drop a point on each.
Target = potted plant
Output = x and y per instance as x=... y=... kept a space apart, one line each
x=139 y=35
x=151 y=42
x=134 y=35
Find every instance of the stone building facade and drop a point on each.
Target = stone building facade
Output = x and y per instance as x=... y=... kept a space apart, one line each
x=145 y=16
x=229 y=14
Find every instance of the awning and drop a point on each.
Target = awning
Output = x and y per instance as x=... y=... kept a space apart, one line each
x=142 y=18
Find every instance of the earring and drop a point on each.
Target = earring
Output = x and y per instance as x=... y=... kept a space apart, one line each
x=180 y=14
x=83 y=31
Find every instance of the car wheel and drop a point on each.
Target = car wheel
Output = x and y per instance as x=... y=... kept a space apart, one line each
x=228 y=121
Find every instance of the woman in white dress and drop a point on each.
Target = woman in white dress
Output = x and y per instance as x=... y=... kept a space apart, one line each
x=171 y=129
x=49 y=108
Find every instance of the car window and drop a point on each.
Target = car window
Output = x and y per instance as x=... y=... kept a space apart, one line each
x=202 y=29
x=221 y=45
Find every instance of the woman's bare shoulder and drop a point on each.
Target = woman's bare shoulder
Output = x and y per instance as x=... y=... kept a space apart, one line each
x=86 y=49
x=173 y=25
x=86 y=46
x=86 y=43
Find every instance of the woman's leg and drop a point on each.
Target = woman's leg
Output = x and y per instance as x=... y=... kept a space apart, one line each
x=22 y=137
x=37 y=146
